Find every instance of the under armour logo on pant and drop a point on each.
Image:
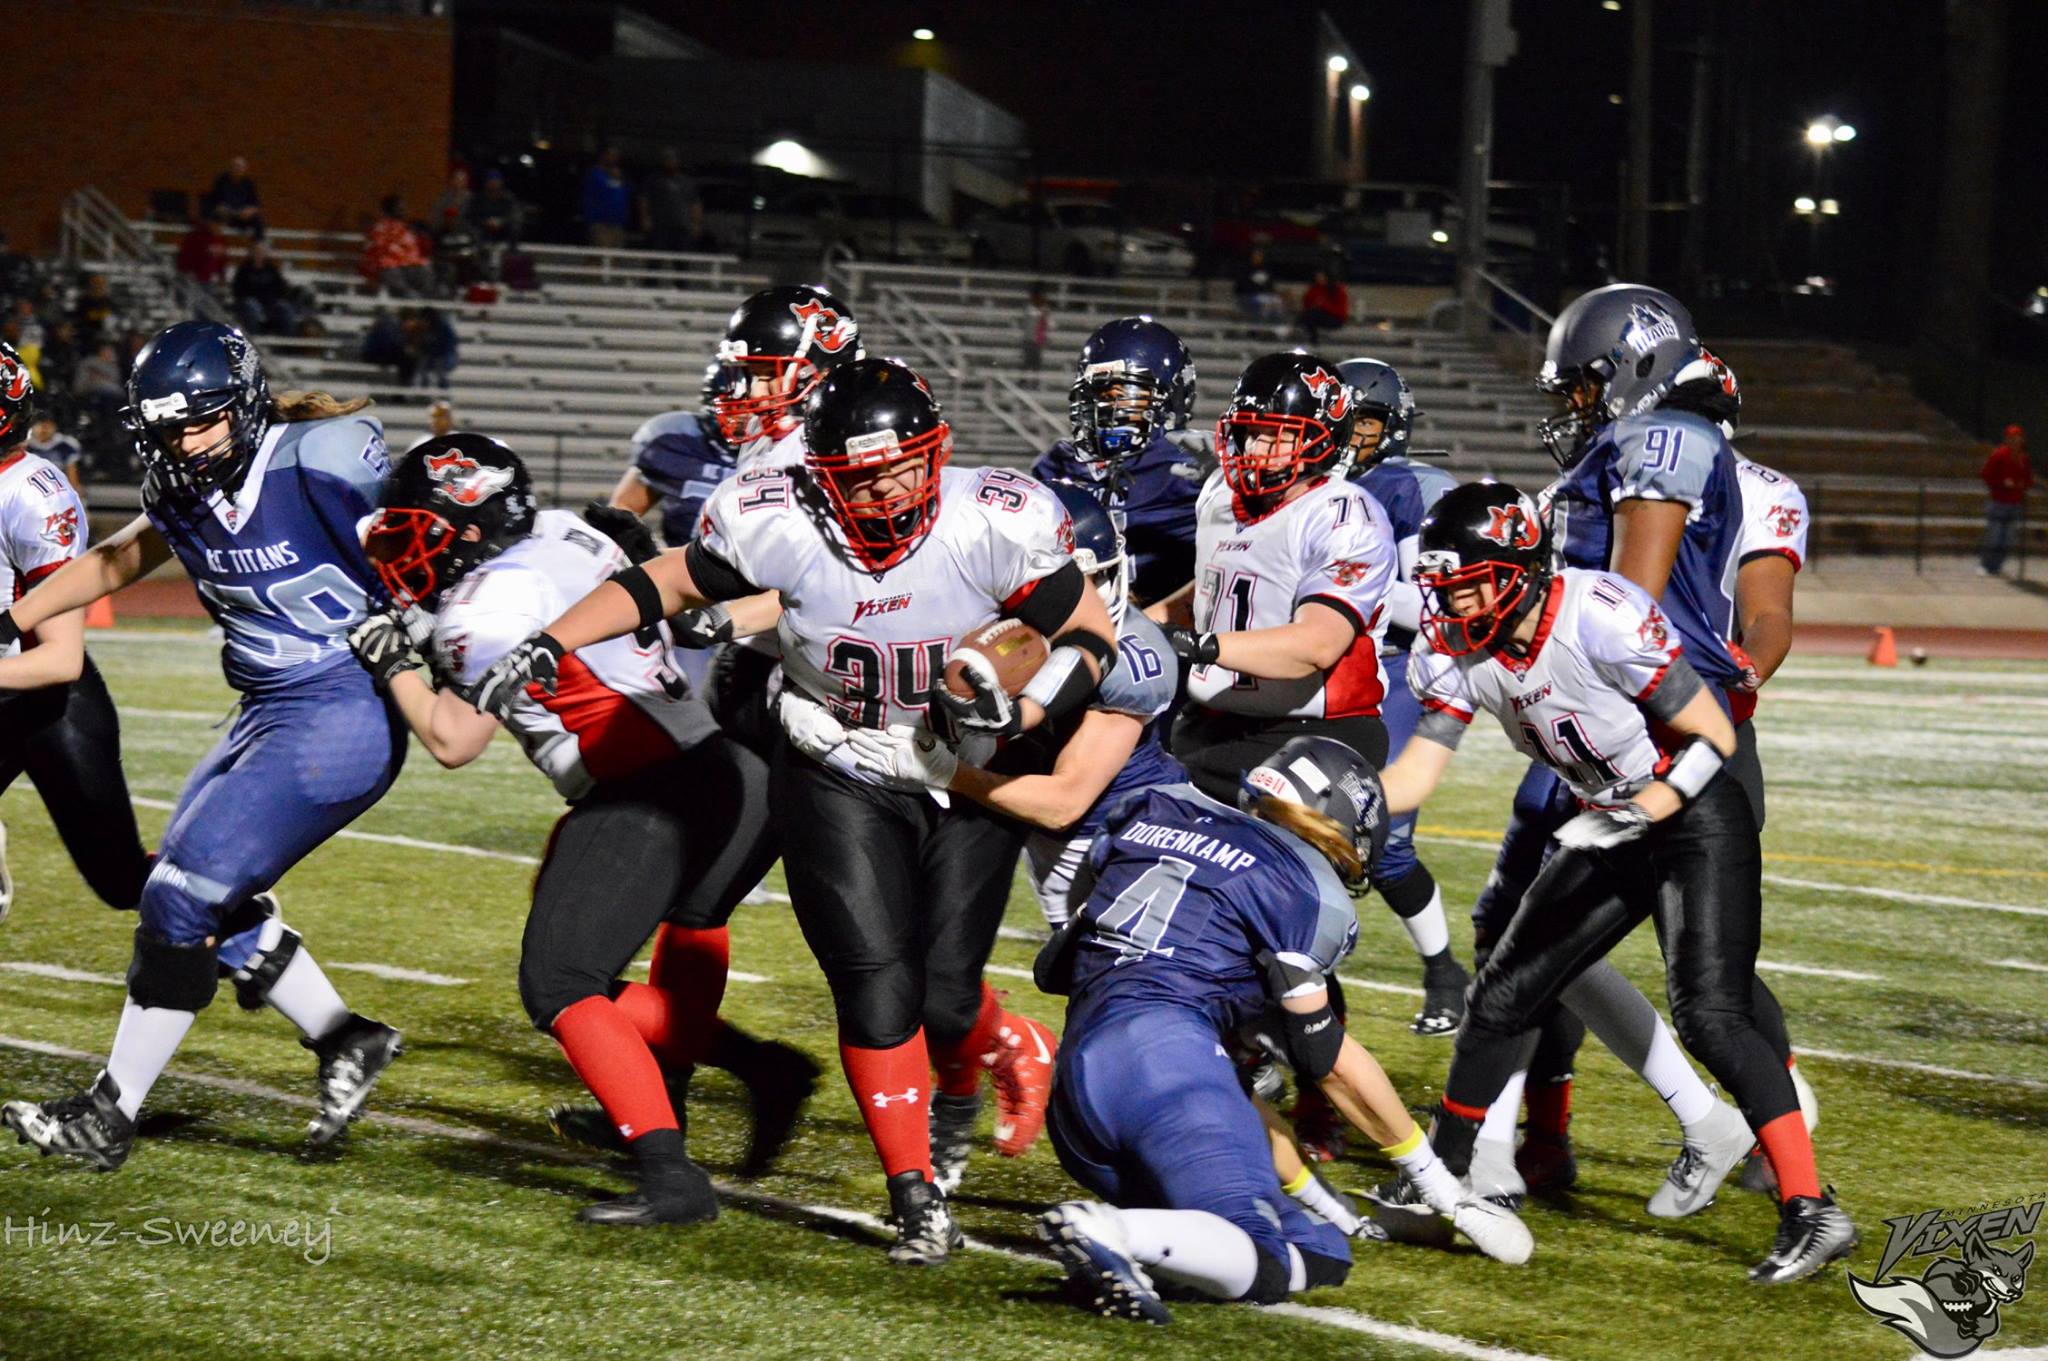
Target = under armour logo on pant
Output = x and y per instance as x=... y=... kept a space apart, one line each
x=882 y=1099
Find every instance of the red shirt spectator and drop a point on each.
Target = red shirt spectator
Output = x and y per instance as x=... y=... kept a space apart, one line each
x=203 y=253
x=2007 y=473
x=1327 y=296
x=391 y=244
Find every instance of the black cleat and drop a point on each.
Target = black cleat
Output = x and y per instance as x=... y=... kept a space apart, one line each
x=592 y=1128
x=925 y=1232
x=351 y=1061
x=1398 y=1213
x=953 y=1120
x=1443 y=996
x=679 y=1193
x=779 y=1081
x=88 y=1126
x=1547 y=1164
x=1812 y=1231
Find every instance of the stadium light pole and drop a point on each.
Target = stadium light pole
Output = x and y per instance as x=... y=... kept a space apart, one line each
x=1489 y=46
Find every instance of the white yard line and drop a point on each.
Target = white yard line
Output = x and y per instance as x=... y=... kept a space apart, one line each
x=1349 y=1320
x=2027 y=966
x=1901 y=896
x=1933 y=1070
x=386 y=839
x=60 y=973
x=398 y=975
x=732 y=975
x=1808 y=970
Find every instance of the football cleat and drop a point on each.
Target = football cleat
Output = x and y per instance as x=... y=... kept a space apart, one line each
x=1494 y=1229
x=679 y=1193
x=779 y=1080
x=1318 y=1128
x=6 y=878
x=1443 y=997
x=1546 y=1164
x=1812 y=1231
x=952 y=1121
x=925 y=1232
x=1023 y=1080
x=351 y=1061
x=1397 y=1209
x=1107 y=1280
x=1702 y=1164
x=88 y=1126
x=1494 y=1176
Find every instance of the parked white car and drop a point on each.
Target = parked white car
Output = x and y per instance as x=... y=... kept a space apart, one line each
x=1080 y=236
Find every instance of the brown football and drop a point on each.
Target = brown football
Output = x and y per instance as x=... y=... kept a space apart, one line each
x=1014 y=650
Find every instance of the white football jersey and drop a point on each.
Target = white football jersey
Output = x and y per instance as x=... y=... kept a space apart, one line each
x=42 y=525
x=1774 y=515
x=1331 y=544
x=616 y=709
x=871 y=645
x=1602 y=647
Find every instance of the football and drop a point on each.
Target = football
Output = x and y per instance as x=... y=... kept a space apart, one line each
x=1012 y=649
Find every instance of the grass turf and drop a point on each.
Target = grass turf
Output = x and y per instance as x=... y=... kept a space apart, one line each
x=1905 y=807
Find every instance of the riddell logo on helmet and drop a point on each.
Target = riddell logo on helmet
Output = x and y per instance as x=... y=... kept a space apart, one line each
x=830 y=332
x=1511 y=527
x=465 y=481
x=1320 y=380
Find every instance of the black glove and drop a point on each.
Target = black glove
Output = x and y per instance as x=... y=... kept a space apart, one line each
x=1196 y=649
x=537 y=661
x=383 y=646
x=707 y=627
x=623 y=528
x=988 y=709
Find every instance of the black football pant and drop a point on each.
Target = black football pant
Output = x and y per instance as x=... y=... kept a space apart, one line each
x=898 y=898
x=736 y=692
x=682 y=842
x=1698 y=876
x=67 y=739
x=1218 y=748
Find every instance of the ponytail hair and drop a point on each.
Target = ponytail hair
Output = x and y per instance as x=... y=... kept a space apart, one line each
x=1319 y=830
x=313 y=406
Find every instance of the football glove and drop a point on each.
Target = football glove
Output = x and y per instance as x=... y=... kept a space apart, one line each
x=1196 y=649
x=988 y=709
x=810 y=725
x=1747 y=677
x=537 y=661
x=384 y=647
x=707 y=627
x=623 y=528
x=1600 y=829
x=903 y=757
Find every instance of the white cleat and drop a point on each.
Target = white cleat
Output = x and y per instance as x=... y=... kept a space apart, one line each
x=1709 y=1155
x=1495 y=1230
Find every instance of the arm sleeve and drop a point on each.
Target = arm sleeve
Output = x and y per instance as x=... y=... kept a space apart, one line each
x=1351 y=564
x=1311 y=924
x=718 y=557
x=1663 y=460
x=1141 y=683
x=1439 y=685
x=1631 y=642
x=1774 y=520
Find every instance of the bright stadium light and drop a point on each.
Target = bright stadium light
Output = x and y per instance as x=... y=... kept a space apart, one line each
x=794 y=157
x=1360 y=93
x=1803 y=204
x=1441 y=237
x=923 y=35
x=1339 y=63
x=1830 y=208
x=1845 y=133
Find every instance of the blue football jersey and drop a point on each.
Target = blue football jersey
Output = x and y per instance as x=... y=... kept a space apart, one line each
x=679 y=456
x=1664 y=456
x=280 y=566
x=1187 y=894
x=1142 y=685
x=1155 y=511
x=1406 y=490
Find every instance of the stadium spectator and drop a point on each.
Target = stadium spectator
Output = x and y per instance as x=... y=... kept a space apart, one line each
x=94 y=311
x=263 y=299
x=430 y=340
x=1256 y=295
x=495 y=213
x=1037 y=327
x=440 y=421
x=2007 y=475
x=24 y=313
x=452 y=207
x=606 y=200
x=393 y=257
x=1325 y=306
x=671 y=210
x=60 y=358
x=99 y=390
x=233 y=201
x=203 y=253
x=46 y=441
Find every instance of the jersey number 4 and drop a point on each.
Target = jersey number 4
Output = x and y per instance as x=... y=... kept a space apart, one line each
x=1136 y=922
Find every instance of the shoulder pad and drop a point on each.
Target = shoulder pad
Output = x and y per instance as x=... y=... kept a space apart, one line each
x=1142 y=682
x=1665 y=456
x=348 y=447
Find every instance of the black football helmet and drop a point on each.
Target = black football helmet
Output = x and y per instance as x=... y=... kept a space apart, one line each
x=1616 y=351
x=1133 y=380
x=790 y=336
x=1098 y=547
x=867 y=418
x=1327 y=776
x=1378 y=391
x=191 y=372
x=1483 y=534
x=421 y=540
x=17 y=398
x=1289 y=418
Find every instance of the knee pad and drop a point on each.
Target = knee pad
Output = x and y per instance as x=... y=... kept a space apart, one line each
x=1323 y=1270
x=881 y=1007
x=174 y=977
x=1557 y=1046
x=1713 y=1034
x=1269 y=1282
x=546 y=991
x=1408 y=892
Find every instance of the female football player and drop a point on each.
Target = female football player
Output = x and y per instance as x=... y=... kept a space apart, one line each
x=1576 y=665
x=1201 y=919
x=259 y=499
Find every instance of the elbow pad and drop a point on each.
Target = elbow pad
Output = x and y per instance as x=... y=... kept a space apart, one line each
x=10 y=633
x=1313 y=1039
x=646 y=595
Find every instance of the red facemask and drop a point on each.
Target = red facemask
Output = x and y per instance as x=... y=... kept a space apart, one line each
x=882 y=533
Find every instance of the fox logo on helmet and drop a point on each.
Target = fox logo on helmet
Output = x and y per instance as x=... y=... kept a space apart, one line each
x=828 y=330
x=465 y=481
x=14 y=374
x=1320 y=382
x=1511 y=527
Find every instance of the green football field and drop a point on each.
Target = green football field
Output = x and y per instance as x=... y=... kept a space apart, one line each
x=1906 y=931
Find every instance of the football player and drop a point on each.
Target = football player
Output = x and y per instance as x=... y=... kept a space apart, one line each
x=259 y=499
x=1202 y=919
x=884 y=555
x=679 y=458
x=57 y=721
x=1133 y=390
x=664 y=810
x=1576 y=665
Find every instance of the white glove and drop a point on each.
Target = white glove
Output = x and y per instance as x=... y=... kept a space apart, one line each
x=1600 y=829
x=811 y=727
x=988 y=709
x=903 y=757
x=418 y=625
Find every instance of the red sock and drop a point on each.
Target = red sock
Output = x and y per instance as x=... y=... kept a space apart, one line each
x=889 y=1087
x=1550 y=1108
x=960 y=1067
x=614 y=1062
x=676 y=1009
x=1790 y=1149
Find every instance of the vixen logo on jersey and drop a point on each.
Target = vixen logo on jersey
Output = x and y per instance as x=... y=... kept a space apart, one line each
x=61 y=528
x=863 y=609
x=1348 y=572
x=1536 y=696
x=1320 y=381
x=829 y=331
x=465 y=481
x=1511 y=527
x=1783 y=520
x=1652 y=631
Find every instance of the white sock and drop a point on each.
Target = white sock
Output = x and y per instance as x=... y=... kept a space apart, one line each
x=1506 y=1111
x=1428 y=928
x=1319 y=1200
x=1623 y=1019
x=1669 y=1071
x=303 y=996
x=1419 y=1161
x=1194 y=1248
x=143 y=1045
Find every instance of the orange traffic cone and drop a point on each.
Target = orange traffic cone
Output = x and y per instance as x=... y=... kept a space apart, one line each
x=1884 y=649
x=100 y=614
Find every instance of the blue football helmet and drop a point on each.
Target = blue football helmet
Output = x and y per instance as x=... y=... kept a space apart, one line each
x=1098 y=548
x=1326 y=777
x=1379 y=392
x=193 y=372
x=1133 y=380
x=1616 y=351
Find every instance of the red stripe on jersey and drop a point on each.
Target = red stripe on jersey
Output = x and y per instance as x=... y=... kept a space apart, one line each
x=1353 y=685
x=613 y=736
x=1797 y=561
x=1438 y=706
x=1657 y=679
